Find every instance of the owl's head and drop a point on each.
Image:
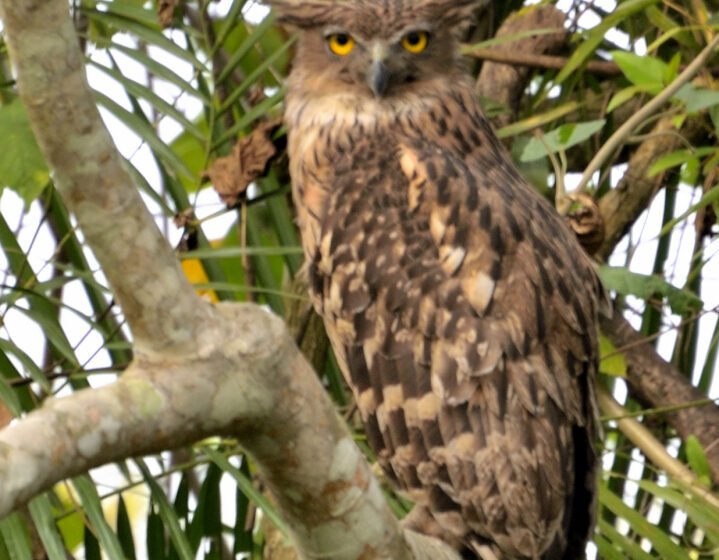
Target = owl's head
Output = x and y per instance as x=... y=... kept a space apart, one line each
x=376 y=48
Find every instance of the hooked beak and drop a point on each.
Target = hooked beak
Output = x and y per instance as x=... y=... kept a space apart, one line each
x=378 y=75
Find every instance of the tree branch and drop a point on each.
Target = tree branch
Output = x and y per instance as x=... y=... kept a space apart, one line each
x=621 y=134
x=654 y=449
x=534 y=60
x=653 y=380
x=657 y=382
x=92 y=178
x=504 y=83
x=199 y=370
x=623 y=204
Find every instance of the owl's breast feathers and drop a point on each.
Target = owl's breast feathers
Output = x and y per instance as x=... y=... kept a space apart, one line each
x=463 y=314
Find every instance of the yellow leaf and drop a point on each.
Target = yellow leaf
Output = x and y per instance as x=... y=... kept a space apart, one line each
x=195 y=273
x=611 y=360
x=71 y=526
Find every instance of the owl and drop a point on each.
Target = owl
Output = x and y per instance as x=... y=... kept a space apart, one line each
x=460 y=307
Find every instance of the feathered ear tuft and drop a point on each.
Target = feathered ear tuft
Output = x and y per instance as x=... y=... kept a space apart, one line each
x=450 y=12
x=303 y=14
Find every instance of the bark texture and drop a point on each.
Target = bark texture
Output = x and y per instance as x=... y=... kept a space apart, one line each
x=621 y=206
x=505 y=83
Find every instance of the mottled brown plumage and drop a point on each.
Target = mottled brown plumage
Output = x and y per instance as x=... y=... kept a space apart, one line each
x=461 y=309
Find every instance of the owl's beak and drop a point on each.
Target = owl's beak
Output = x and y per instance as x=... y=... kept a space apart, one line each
x=378 y=78
x=378 y=75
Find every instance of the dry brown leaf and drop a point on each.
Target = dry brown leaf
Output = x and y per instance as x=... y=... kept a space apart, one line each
x=185 y=218
x=166 y=11
x=232 y=175
x=256 y=96
x=586 y=221
x=5 y=415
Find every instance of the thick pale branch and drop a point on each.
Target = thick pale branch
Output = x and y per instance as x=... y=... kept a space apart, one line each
x=158 y=302
x=156 y=405
x=248 y=381
x=200 y=370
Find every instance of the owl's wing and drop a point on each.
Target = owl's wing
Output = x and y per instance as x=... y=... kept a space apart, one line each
x=518 y=351
x=462 y=312
x=516 y=266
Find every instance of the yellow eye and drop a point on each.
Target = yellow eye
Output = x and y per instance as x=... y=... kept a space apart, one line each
x=415 y=41
x=341 y=44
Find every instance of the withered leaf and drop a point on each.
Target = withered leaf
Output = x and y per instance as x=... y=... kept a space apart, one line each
x=232 y=175
x=185 y=218
x=585 y=219
x=5 y=415
x=166 y=11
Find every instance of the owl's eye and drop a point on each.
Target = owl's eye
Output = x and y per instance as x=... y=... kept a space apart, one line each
x=415 y=41
x=340 y=43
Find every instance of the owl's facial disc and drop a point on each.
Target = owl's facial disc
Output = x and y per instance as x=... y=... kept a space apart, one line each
x=382 y=65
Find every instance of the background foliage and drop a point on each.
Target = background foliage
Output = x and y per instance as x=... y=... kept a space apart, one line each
x=179 y=83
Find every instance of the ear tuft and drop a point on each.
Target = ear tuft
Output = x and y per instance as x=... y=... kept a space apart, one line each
x=304 y=14
x=450 y=12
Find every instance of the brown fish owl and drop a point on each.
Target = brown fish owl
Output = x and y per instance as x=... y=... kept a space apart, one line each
x=461 y=308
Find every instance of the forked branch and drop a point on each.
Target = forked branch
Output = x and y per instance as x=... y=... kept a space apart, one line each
x=200 y=370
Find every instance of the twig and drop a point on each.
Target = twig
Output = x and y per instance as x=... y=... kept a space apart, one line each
x=561 y=202
x=601 y=67
x=652 y=448
x=624 y=131
x=654 y=381
x=661 y=410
